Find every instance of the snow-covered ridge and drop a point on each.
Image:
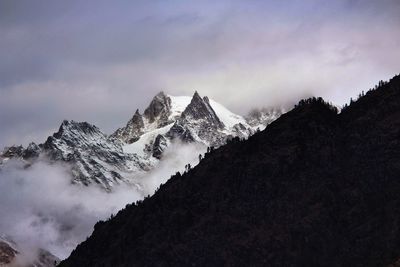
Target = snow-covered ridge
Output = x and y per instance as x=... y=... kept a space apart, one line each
x=179 y=103
x=181 y=119
x=138 y=147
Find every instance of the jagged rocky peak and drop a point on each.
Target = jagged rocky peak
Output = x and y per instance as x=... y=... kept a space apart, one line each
x=159 y=108
x=31 y=152
x=13 y=152
x=93 y=156
x=133 y=129
x=200 y=109
x=71 y=136
x=74 y=133
x=69 y=126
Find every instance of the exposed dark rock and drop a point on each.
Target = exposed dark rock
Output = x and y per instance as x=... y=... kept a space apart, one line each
x=159 y=146
x=180 y=132
x=13 y=152
x=159 y=108
x=198 y=122
x=7 y=253
x=133 y=129
x=31 y=152
x=200 y=109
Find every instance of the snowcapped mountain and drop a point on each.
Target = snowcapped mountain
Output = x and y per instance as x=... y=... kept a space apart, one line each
x=189 y=119
x=138 y=147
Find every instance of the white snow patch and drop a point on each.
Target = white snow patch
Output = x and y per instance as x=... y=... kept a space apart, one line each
x=227 y=117
x=178 y=105
x=138 y=147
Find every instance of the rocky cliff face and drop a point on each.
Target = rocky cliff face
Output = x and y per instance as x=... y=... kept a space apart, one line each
x=159 y=110
x=133 y=129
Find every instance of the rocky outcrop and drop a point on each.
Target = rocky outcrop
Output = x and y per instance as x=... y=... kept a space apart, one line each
x=31 y=152
x=160 y=143
x=159 y=109
x=28 y=154
x=13 y=152
x=132 y=131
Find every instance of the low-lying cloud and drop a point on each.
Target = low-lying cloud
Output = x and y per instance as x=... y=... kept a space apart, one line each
x=40 y=208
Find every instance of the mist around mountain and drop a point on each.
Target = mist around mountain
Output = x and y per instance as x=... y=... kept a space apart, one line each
x=133 y=150
x=53 y=193
x=315 y=188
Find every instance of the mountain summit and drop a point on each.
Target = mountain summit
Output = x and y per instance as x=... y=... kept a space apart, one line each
x=138 y=147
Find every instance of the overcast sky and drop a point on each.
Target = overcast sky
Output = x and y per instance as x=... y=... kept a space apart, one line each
x=100 y=60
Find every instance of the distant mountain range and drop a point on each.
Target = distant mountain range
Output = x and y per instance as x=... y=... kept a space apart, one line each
x=315 y=188
x=131 y=151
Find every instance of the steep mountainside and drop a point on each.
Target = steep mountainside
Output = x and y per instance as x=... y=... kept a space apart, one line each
x=137 y=148
x=316 y=188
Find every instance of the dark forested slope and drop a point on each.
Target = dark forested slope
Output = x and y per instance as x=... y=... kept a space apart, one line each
x=316 y=188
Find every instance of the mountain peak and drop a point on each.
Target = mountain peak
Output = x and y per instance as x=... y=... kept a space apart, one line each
x=196 y=94
x=160 y=106
x=160 y=94
x=200 y=109
x=74 y=126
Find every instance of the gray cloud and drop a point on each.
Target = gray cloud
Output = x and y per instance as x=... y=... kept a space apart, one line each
x=99 y=61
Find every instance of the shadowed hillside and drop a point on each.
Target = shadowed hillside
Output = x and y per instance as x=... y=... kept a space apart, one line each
x=316 y=188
